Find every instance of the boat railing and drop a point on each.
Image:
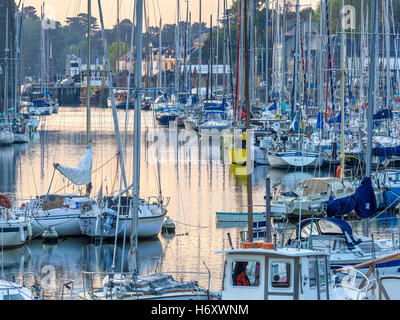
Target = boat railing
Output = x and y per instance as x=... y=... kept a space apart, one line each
x=62 y=286
x=348 y=281
x=109 y=288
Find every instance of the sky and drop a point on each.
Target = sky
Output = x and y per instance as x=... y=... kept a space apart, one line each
x=60 y=9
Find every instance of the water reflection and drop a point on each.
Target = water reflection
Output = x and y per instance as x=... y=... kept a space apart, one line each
x=197 y=188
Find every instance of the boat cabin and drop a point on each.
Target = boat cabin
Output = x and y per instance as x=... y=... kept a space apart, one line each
x=265 y=273
x=62 y=201
x=326 y=233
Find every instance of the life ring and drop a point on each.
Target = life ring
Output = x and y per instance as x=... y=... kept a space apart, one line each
x=4 y=201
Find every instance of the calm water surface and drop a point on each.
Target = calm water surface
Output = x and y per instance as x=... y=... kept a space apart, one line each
x=197 y=186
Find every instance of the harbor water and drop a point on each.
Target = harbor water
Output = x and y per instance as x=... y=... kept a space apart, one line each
x=197 y=184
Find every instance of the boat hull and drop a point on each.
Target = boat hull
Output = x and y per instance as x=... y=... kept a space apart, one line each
x=148 y=226
x=13 y=234
x=294 y=159
x=65 y=224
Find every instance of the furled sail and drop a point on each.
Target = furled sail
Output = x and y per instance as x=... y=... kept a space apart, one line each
x=82 y=173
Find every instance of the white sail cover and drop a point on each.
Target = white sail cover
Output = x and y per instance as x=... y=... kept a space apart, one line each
x=82 y=173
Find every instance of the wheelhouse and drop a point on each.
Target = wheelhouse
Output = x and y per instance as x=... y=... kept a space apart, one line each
x=281 y=274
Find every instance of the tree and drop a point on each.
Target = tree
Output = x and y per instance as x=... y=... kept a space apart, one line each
x=30 y=13
x=112 y=49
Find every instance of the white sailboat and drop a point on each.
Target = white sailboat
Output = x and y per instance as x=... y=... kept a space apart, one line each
x=61 y=211
x=133 y=286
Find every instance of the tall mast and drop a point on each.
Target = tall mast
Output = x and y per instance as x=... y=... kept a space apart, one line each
x=371 y=100
x=200 y=59
x=224 y=51
x=110 y=89
x=118 y=54
x=42 y=53
x=217 y=49
x=211 y=58
x=247 y=101
x=177 y=51
x=284 y=43
x=296 y=58
x=88 y=138
x=137 y=131
x=6 y=67
x=342 y=65
x=159 y=56
x=387 y=45
x=362 y=57
x=266 y=52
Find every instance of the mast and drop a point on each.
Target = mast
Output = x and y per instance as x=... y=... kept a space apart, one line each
x=362 y=57
x=111 y=92
x=224 y=51
x=137 y=130
x=247 y=101
x=88 y=138
x=211 y=58
x=284 y=43
x=217 y=49
x=296 y=59
x=159 y=56
x=387 y=45
x=42 y=53
x=371 y=100
x=200 y=59
x=177 y=51
x=267 y=52
x=118 y=54
x=6 y=50
x=342 y=65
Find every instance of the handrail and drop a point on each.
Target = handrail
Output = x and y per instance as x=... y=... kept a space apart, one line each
x=387 y=258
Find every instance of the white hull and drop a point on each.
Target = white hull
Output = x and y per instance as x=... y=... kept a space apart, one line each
x=13 y=233
x=40 y=111
x=64 y=222
x=6 y=137
x=294 y=159
x=148 y=226
x=21 y=137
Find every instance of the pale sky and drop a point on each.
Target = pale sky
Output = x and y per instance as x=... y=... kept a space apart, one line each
x=60 y=9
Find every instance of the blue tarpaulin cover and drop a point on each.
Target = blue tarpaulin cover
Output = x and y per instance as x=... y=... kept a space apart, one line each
x=386 y=152
x=383 y=114
x=363 y=202
x=40 y=103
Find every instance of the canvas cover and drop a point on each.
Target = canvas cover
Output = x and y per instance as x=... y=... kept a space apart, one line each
x=82 y=173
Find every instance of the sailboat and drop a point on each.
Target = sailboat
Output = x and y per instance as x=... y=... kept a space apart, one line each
x=261 y=271
x=133 y=286
x=61 y=212
x=116 y=215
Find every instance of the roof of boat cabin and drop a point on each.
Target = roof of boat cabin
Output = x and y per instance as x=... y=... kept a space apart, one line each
x=290 y=252
x=64 y=195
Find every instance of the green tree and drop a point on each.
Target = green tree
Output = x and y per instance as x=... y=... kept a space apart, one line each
x=112 y=49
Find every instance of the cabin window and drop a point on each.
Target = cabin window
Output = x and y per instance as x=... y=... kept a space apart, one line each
x=328 y=227
x=246 y=273
x=306 y=230
x=280 y=275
